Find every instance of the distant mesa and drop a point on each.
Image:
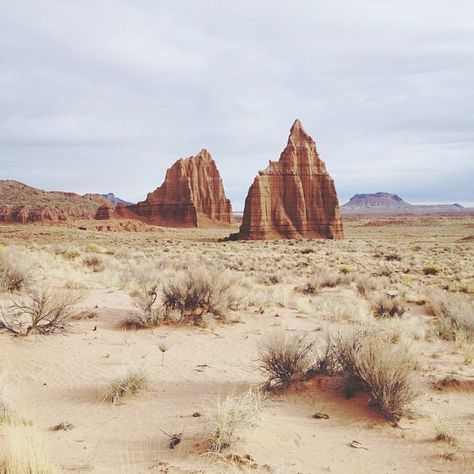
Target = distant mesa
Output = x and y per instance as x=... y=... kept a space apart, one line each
x=386 y=203
x=24 y=204
x=192 y=195
x=113 y=199
x=294 y=197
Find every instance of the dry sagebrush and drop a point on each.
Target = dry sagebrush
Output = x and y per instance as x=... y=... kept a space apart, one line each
x=284 y=360
x=40 y=311
x=370 y=361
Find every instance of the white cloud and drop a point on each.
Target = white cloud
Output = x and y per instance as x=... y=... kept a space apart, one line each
x=104 y=96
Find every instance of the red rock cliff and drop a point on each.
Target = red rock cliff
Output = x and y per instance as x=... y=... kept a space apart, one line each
x=192 y=195
x=294 y=197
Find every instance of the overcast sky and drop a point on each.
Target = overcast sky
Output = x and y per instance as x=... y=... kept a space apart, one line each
x=104 y=95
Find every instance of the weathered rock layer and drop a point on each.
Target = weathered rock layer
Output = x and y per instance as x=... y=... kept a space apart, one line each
x=192 y=195
x=294 y=197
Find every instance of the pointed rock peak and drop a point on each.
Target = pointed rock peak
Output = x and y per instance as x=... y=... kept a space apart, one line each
x=298 y=133
x=204 y=153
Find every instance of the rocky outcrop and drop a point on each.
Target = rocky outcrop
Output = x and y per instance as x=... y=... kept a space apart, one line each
x=294 y=197
x=24 y=204
x=192 y=195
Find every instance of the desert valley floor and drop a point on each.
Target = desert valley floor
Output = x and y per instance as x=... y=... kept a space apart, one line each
x=308 y=288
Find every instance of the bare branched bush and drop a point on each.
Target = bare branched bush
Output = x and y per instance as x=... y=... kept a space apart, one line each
x=385 y=306
x=231 y=415
x=284 y=360
x=127 y=385
x=14 y=275
x=200 y=290
x=454 y=314
x=374 y=364
x=41 y=311
x=144 y=297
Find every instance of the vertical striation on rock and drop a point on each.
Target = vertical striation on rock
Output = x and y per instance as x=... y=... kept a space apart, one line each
x=192 y=195
x=294 y=197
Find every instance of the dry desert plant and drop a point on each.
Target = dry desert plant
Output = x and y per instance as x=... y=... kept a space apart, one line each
x=232 y=414
x=14 y=274
x=126 y=385
x=373 y=363
x=24 y=453
x=200 y=290
x=41 y=311
x=283 y=359
x=385 y=306
x=454 y=314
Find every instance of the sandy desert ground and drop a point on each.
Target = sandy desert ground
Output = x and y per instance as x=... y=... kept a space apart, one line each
x=295 y=288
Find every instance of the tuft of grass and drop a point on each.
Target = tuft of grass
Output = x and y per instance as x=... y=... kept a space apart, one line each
x=125 y=386
x=232 y=414
x=24 y=453
x=283 y=360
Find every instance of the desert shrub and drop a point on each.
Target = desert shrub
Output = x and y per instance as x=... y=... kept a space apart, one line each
x=144 y=298
x=71 y=254
x=385 y=306
x=200 y=290
x=365 y=285
x=127 y=385
x=41 y=311
x=232 y=414
x=393 y=257
x=431 y=269
x=341 y=309
x=14 y=275
x=454 y=314
x=94 y=262
x=283 y=359
x=345 y=269
x=24 y=453
x=374 y=364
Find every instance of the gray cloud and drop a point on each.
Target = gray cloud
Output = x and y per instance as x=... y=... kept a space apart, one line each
x=104 y=96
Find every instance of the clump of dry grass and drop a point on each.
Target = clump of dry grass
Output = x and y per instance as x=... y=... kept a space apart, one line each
x=385 y=306
x=454 y=315
x=126 y=385
x=365 y=285
x=24 y=453
x=283 y=360
x=371 y=362
x=14 y=274
x=41 y=311
x=341 y=309
x=232 y=414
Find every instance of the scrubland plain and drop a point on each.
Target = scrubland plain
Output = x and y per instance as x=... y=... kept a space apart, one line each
x=175 y=351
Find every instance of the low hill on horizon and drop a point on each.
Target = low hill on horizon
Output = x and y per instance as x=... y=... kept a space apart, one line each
x=387 y=203
x=20 y=203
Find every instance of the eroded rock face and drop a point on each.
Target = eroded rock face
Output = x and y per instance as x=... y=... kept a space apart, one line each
x=24 y=204
x=294 y=197
x=192 y=195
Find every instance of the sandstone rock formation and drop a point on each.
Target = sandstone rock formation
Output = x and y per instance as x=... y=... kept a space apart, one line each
x=294 y=197
x=24 y=204
x=192 y=195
